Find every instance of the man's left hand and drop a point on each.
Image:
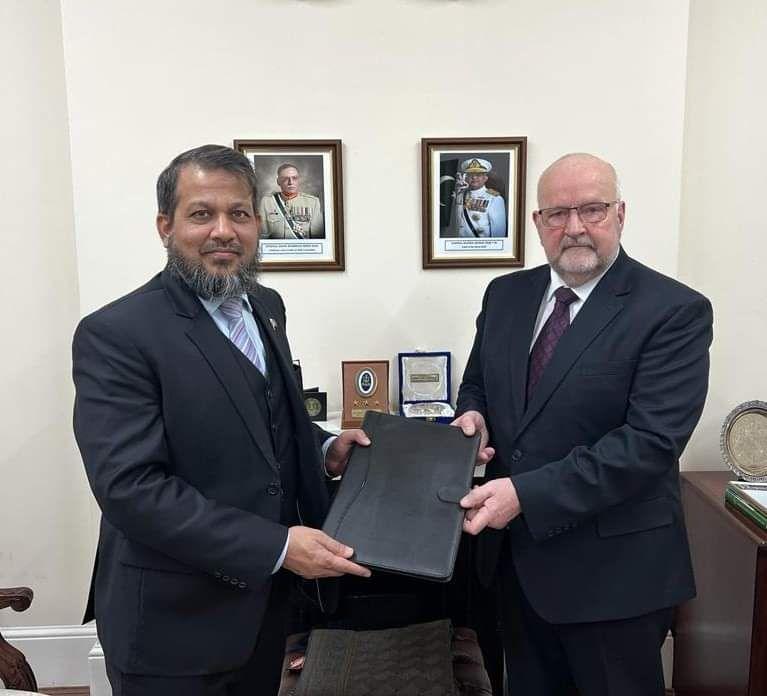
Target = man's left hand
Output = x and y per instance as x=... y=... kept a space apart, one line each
x=494 y=504
x=338 y=453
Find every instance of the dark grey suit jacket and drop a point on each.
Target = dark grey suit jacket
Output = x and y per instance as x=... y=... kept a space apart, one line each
x=594 y=455
x=179 y=458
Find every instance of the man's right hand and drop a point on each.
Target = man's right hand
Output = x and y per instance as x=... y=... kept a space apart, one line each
x=474 y=422
x=313 y=554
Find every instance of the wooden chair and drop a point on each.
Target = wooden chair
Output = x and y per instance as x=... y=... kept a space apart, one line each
x=15 y=671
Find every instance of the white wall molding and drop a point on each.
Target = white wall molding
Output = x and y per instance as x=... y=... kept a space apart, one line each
x=58 y=655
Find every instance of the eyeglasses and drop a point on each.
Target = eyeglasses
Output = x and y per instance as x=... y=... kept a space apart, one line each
x=589 y=213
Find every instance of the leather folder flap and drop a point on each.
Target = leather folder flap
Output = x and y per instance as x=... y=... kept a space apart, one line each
x=451 y=494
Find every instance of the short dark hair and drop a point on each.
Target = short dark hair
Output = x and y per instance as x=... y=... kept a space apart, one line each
x=207 y=158
x=283 y=167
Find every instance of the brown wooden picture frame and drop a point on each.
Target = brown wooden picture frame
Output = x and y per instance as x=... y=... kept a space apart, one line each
x=312 y=240
x=466 y=239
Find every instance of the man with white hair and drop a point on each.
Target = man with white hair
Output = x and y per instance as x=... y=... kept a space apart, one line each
x=586 y=379
x=291 y=213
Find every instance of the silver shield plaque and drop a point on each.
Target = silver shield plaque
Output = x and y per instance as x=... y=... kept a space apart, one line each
x=424 y=378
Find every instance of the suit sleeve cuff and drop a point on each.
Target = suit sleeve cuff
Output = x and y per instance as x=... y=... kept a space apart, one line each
x=284 y=553
x=543 y=518
x=325 y=447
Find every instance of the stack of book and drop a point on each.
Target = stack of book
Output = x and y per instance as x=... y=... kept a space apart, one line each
x=750 y=499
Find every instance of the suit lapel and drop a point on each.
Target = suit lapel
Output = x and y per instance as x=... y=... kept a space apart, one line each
x=273 y=336
x=520 y=330
x=214 y=347
x=603 y=304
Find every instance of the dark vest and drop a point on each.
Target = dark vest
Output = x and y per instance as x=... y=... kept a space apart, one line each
x=272 y=399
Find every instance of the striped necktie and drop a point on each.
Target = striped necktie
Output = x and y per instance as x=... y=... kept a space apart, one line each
x=238 y=334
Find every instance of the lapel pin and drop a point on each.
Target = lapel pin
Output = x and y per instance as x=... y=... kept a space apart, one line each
x=273 y=323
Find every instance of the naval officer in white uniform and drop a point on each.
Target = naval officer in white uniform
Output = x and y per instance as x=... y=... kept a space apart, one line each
x=479 y=210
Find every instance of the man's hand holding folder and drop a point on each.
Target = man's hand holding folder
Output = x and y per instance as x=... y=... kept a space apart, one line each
x=495 y=503
x=312 y=553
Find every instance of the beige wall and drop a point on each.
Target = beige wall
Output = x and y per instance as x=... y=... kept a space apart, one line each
x=45 y=528
x=723 y=242
x=147 y=79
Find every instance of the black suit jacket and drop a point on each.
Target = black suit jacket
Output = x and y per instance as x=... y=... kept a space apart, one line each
x=179 y=458
x=594 y=455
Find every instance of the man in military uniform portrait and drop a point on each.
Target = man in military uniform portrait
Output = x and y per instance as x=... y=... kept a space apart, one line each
x=479 y=210
x=290 y=213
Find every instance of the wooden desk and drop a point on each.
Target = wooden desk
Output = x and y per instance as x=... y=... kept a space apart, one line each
x=720 y=637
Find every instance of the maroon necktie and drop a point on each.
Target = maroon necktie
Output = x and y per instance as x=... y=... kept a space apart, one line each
x=555 y=326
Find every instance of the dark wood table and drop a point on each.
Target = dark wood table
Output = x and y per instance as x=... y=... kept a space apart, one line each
x=720 y=637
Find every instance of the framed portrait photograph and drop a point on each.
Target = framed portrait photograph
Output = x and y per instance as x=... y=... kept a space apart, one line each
x=300 y=203
x=473 y=201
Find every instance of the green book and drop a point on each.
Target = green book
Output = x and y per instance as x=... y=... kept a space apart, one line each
x=746 y=503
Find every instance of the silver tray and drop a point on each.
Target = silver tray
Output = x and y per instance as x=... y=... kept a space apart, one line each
x=744 y=440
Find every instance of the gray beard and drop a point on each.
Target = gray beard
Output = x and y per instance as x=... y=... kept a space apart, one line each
x=210 y=286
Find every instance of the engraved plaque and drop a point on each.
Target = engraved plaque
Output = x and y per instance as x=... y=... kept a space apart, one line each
x=316 y=403
x=365 y=388
x=424 y=377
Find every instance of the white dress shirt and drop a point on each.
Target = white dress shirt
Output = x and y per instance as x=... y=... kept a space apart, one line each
x=548 y=301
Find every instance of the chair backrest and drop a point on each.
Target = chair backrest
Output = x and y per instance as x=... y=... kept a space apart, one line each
x=15 y=672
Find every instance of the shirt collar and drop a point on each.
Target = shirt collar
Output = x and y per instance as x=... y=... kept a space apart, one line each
x=214 y=304
x=583 y=291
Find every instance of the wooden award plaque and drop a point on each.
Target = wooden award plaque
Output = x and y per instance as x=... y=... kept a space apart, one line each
x=365 y=388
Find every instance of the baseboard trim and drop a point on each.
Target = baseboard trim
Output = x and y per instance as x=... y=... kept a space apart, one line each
x=58 y=655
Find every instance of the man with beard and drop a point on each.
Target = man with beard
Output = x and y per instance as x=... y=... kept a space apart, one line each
x=586 y=379
x=291 y=213
x=200 y=454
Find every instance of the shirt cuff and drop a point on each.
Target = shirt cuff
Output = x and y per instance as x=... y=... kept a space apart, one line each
x=325 y=448
x=284 y=553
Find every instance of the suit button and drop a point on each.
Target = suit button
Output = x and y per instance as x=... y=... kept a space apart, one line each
x=274 y=427
x=242 y=585
x=217 y=574
x=516 y=455
x=233 y=581
x=273 y=490
x=225 y=578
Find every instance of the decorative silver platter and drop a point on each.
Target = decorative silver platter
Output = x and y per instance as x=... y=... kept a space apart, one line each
x=744 y=440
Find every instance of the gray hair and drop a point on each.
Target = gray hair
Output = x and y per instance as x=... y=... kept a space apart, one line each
x=208 y=158
x=285 y=166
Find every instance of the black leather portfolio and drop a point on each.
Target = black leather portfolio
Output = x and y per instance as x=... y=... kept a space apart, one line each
x=398 y=502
